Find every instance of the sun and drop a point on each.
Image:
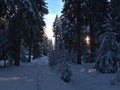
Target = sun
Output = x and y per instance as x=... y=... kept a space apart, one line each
x=87 y=39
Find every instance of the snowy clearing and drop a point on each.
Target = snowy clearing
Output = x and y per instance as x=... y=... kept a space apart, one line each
x=38 y=76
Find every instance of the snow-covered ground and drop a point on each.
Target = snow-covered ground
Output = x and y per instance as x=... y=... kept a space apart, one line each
x=86 y=78
x=38 y=76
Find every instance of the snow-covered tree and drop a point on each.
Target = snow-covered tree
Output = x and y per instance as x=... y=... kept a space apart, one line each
x=4 y=45
x=73 y=12
x=46 y=45
x=83 y=13
x=25 y=23
x=57 y=29
x=59 y=61
x=108 y=54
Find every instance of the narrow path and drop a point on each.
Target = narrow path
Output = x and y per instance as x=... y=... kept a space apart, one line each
x=31 y=76
x=49 y=80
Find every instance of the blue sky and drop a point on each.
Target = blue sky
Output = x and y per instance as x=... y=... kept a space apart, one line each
x=54 y=7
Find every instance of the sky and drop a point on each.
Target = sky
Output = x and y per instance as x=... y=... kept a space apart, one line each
x=55 y=8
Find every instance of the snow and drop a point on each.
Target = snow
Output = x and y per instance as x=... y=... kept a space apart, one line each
x=86 y=78
x=37 y=75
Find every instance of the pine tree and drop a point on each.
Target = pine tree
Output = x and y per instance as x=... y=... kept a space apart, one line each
x=40 y=10
x=108 y=53
x=94 y=13
x=57 y=29
x=26 y=24
x=115 y=8
x=4 y=46
x=17 y=27
x=73 y=11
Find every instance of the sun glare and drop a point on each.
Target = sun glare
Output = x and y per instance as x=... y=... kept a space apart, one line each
x=87 y=39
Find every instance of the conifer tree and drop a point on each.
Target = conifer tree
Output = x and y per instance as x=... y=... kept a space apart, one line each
x=73 y=11
x=108 y=52
x=26 y=24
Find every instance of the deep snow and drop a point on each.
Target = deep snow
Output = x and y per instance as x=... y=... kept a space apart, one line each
x=38 y=76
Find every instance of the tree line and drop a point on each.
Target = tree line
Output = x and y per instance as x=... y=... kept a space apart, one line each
x=22 y=29
x=97 y=19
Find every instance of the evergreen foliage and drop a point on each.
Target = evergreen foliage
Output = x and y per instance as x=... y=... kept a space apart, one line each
x=24 y=24
x=73 y=12
x=108 y=52
x=60 y=62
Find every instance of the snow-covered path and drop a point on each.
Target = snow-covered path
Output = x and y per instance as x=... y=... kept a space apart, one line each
x=25 y=77
x=38 y=76
x=31 y=76
x=50 y=80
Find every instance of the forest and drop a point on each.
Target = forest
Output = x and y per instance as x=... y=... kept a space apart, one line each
x=88 y=31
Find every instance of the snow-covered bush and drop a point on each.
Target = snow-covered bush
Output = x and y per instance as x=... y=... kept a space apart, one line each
x=59 y=61
x=108 y=54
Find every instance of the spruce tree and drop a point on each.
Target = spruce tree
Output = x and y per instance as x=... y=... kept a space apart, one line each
x=73 y=11
x=26 y=24
x=108 y=52
x=4 y=46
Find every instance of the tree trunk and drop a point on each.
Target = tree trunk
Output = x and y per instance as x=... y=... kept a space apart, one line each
x=17 y=52
x=30 y=50
x=78 y=45
x=36 y=50
x=92 y=39
x=56 y=43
